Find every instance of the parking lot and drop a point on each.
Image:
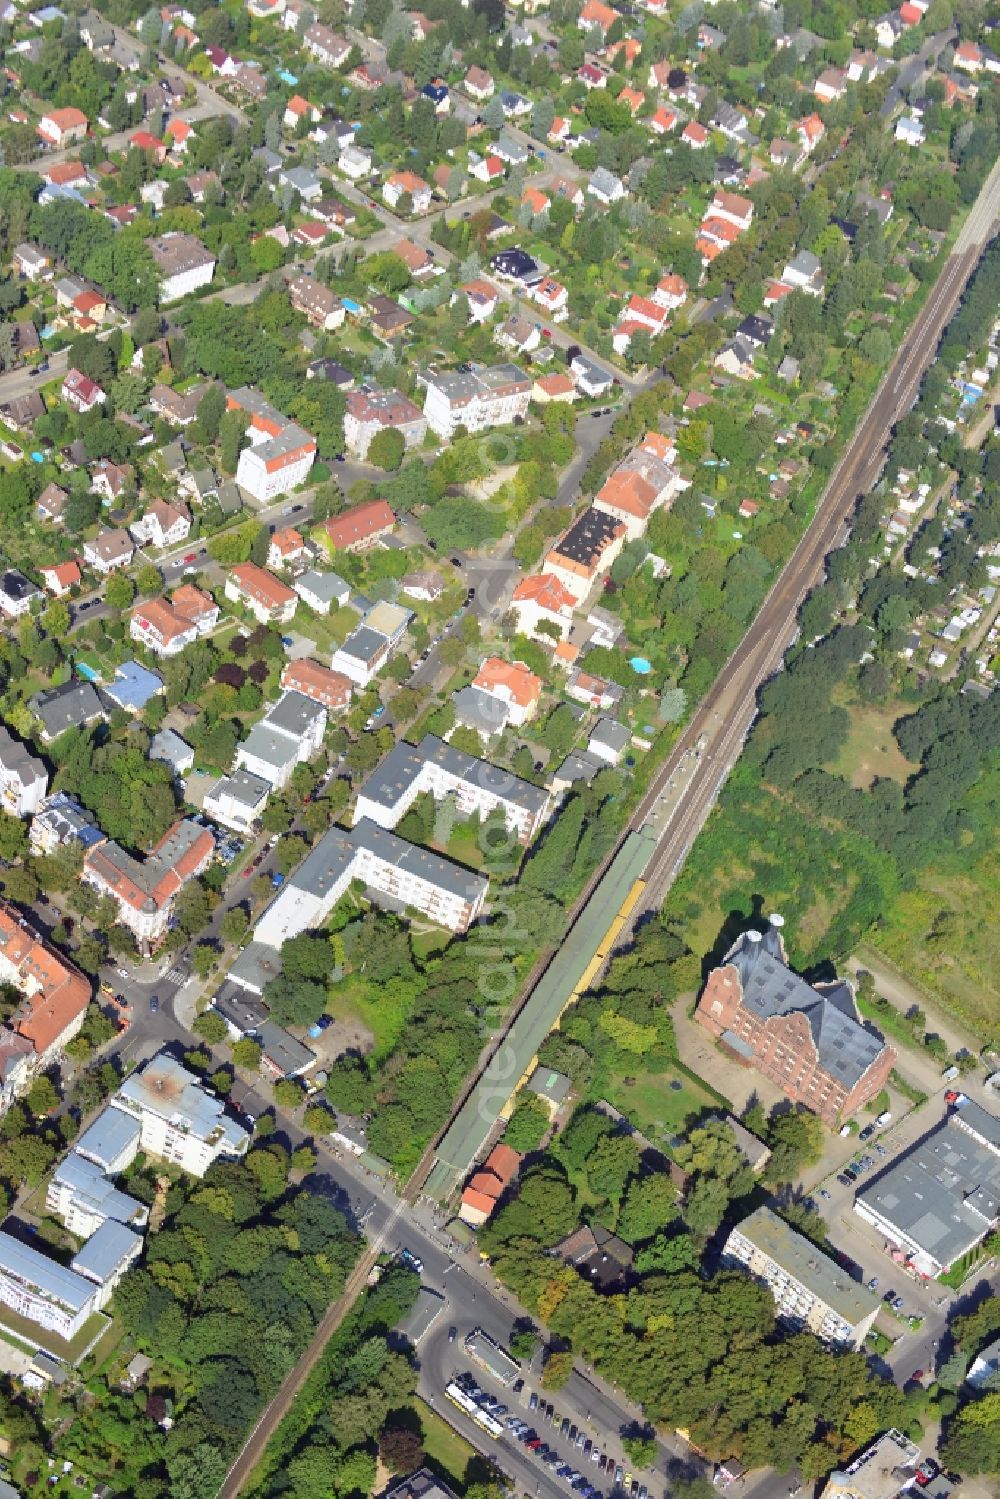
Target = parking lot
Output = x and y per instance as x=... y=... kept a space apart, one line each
x=562 y=1455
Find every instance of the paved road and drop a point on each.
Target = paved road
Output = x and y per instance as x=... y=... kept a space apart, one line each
x=914 y=68
x=21 y=382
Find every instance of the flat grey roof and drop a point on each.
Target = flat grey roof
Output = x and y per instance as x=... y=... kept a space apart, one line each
x=255 y=966
x=95 y=1190
x=106 y=1251
x=944 y=1194
x=364 y=644
x=270 y=746
x=243 y=786
x=421 y=862
x=324 y=865
x=326 y=586
x=294 y=713
x=111 y=1133
x=168 y=1090
x=63 y=1286
x=804 y=1262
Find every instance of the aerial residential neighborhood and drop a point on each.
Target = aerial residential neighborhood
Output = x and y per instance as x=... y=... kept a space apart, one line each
x=499 y=630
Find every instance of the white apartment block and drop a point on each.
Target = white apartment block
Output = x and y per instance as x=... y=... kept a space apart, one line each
x=44 y=1291
x=435 y=767
x=23 y=778
x=280 y=455
x=238 y=800
x=288 y=734
x=183 y=262
x=180 y=1121
x=448 y=893
x=477 y=401
x=810 y=1290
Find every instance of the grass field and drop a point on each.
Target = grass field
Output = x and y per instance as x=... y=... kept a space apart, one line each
x=938 y=932
x=659 y=1106
x=871 y=752
x=353 y=1001
x=447 y=1452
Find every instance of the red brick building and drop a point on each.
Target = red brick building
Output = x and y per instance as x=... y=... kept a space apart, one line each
x=809 y=1041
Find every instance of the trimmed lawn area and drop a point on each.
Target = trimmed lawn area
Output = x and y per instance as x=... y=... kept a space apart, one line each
x=660 y=1102
x=27 y=1332
x=447 y=1452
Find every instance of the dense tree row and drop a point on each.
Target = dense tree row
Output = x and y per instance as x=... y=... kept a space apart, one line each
x=698 y=1351
x=229 y=1291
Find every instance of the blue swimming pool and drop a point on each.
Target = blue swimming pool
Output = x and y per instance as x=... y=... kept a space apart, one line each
x=640 y=665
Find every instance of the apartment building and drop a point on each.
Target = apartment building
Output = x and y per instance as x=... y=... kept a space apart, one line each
x=42 y=1290
x=183 y=263
x=289 y=733
x=647 y=480
x=54 y=999
x=281 y=453
x=543 y=599
x=61 y=127
x=238 y=800
x=179 y=1120
x=808 y=1040
x=513 y=684
x=881 y=1471
x=61 y=820
x=320 y=306
x=84 y=1198
x=163 y=525
x=144 y=890
x=166 y=626
x=811 y=1291
x=331 y=689
x=328 y=47
x=372 y=410
x=585 y=552
x=161 y=628
x=23 y=778
x=436 y=767
x=402 y=872
x=269 y=600
x=476 y=400
x=109 y=551
x=360 y=528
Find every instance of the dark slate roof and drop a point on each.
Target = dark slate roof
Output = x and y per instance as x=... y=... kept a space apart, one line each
x=389 y=781
x=846 y=1049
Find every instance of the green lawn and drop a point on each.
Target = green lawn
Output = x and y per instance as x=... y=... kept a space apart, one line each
x=354 y=1000
x=871 y=751
x=27 y=1332
x=659 y=1107
x=447 y=1452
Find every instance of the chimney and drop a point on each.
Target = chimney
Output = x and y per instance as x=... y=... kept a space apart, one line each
x=753 y=937
x=776 y=920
